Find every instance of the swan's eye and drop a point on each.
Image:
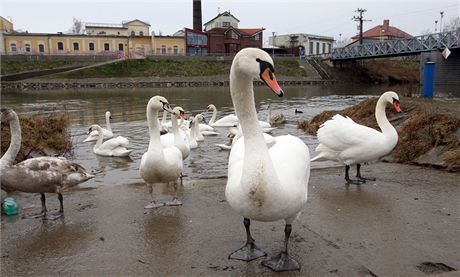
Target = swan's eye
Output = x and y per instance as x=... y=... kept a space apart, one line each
x=395 y=100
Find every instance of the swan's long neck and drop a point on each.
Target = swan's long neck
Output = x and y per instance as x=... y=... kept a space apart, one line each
x=175 y=128
x=15 y=142
x=382 y=120
x=107 y=122
x=163 y=119
x=100 y=137
x=241 y=89
x=214 y=115
x=154 y=128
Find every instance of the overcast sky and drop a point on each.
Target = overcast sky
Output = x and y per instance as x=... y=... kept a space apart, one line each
x=326 y=17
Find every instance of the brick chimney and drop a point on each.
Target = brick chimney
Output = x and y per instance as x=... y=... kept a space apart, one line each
x=386 y=24
x=197 y=20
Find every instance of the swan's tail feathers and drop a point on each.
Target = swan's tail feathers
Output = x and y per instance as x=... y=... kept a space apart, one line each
x=125 y=153
x=318 y=157
x=90 y=138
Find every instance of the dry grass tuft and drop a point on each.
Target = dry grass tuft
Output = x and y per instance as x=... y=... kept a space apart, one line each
x=38 y=134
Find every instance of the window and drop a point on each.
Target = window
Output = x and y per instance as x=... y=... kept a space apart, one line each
x=226 y=24
x=41 y=48
x=133 y=33
x=311 y=47
x=13 y=47
x=324 y=47
x=141 y=33
x=27 y=47
x=233 y=35
x=120 y=47
x=256 y=37
x=176 y=50
x=106 y=47
x=91 y=46
x=163 y=49
x=76 y=46
x=317 y=48
x=60 y=46
x=329 y=48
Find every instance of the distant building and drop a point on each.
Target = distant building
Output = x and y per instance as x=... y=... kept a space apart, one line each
x=311 y=44
x=130 y=28
x=196 y=42
x=381 y=33
x=168 y=45
x=225 y=37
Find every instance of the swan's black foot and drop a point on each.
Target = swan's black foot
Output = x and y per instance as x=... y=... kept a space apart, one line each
x=247 y=253
x=282 y=262
x=39 y=215
x=54 y=216
x=154 y=205
x=363 y=179
x=355 y=182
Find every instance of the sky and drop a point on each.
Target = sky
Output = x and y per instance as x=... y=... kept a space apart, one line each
x=327 y=17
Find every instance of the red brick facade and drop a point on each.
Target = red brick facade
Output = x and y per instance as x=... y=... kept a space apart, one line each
x=230 y=40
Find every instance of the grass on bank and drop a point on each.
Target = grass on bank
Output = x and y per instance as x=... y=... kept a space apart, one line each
x=170 y=68
x=420 y=128
x=16 y=66
x=39 y=134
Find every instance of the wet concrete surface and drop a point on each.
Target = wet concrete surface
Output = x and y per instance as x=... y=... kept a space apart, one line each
x=407 y=223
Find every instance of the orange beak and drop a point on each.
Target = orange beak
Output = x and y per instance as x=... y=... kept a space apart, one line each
x=396 y=105
x=269 y=78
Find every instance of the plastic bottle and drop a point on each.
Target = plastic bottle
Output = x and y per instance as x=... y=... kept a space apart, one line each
x=10 y=207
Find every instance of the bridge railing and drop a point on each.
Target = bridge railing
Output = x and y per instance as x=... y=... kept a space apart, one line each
x=397 y=47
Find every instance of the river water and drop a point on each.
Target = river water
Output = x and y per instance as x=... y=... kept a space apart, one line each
x=207 y=161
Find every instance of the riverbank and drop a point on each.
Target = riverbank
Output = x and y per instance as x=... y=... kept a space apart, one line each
x=369 y=230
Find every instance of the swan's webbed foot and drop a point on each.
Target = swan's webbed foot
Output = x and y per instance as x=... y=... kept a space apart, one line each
x=154 y=205
x=174 y=202
x=54 y=216
x=361 y=178
x=39 y=215
x=282 y=262
x=247 y=252
x=351 y=181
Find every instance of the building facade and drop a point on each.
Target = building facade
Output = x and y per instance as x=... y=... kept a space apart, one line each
x=311 y=44
x=381 y=33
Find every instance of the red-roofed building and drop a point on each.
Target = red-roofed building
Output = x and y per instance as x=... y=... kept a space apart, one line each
x=382 y=32
x=230 y=40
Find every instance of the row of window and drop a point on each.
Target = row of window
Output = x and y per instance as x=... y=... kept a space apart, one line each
x=60 y=47
x=318 y=47
x=164 y=50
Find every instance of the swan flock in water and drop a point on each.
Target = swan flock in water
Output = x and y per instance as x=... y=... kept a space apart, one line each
x=267 y=175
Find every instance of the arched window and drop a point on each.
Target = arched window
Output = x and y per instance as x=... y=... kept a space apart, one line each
x=27 y=47
x=141 y=33
x=76 y=46
x=91 y=46
x=120 y=47
x=175 y=50
x=133 y=33
x=41 y=48
x=13 y=47
x=60 y=46
x=163 y=49
x=106 y=47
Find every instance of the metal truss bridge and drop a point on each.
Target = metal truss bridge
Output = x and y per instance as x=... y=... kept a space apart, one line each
x=399 y=47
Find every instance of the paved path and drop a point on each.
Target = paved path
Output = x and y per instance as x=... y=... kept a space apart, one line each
x=407 y=223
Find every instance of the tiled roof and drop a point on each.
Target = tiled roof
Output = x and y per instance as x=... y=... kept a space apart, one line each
x=252 y=31
x=385 y=31
x=248 y=32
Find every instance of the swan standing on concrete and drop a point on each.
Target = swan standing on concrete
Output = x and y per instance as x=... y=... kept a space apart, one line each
x=93 y=136
x=264 y=184
x=37 y=175
x=115 y=147
x=159 y=164
x=344 y=141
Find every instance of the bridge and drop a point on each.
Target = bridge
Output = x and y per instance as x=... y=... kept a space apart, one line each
x=399 y=47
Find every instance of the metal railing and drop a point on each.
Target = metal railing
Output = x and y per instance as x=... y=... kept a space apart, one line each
x=399 y=47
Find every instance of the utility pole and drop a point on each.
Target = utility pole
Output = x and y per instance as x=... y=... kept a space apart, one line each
x=273 y=45
x=440 y=22
x=360 y=20
x=435 y=26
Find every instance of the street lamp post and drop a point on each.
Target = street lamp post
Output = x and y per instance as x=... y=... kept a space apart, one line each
x=435 y=26
x=440 y=22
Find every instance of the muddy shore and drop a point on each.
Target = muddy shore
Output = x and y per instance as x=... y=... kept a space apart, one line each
x=404 y=224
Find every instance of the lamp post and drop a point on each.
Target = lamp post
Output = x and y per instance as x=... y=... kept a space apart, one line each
x=435 y=26
x=273 y=45
x=340 y=40
x=440 y=22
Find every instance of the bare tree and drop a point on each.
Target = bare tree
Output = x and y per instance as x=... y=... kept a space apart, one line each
x=77 y=27
x=452 y=25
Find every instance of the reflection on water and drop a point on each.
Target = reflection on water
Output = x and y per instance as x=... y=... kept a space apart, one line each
x=128 y=112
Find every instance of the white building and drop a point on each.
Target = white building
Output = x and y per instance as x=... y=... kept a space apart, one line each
x=131 y=28
x=222 y=20
x=313 y=44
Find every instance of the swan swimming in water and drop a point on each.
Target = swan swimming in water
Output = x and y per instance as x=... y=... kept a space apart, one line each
x=264 y=183
x=93 y=136
x=159 y=164
x=114 y=147
x=344 y=141
x=37 y=175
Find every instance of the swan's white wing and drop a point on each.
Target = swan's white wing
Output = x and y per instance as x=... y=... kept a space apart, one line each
x=114 y=143
x=226 y=121
x=291 y=159
x=340 y=133
x=205 y=127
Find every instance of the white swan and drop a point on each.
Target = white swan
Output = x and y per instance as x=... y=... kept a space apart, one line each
x=178 y=137
x=264 y=184
x=198 y=135
x=93 y=136
x=192 y=138
x=344 y=141
x=226 y=121
x=159 y=164
x=114 y=147
x=37 y=175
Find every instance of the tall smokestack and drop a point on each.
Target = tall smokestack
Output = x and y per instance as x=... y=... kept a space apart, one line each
x=197 y=24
